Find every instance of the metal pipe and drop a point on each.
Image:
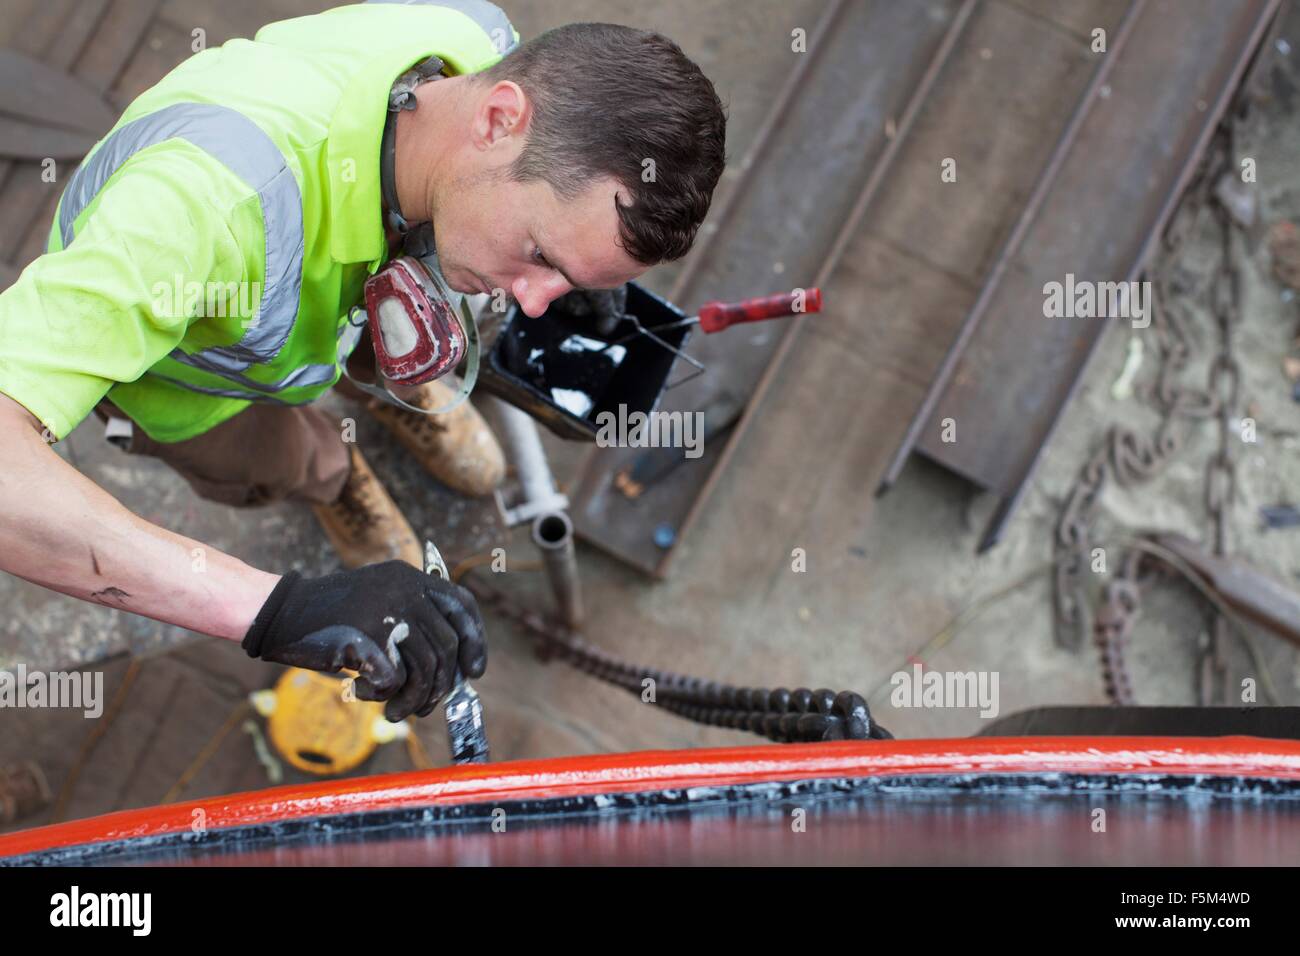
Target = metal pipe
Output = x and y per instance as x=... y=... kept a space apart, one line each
x=553 y=535
x=540 y=502
x=523 y=448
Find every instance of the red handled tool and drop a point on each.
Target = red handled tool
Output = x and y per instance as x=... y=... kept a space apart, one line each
x=716 y=316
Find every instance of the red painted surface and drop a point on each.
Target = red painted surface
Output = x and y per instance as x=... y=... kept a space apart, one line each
x=657 y=770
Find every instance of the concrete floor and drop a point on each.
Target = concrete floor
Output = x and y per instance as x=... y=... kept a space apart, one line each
x=883 y=576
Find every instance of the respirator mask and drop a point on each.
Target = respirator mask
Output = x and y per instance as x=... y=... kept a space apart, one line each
x=420 y=328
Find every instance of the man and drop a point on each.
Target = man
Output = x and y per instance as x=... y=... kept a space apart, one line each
x=260 y=167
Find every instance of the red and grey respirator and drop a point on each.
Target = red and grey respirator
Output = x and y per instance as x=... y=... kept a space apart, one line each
x=419 y=327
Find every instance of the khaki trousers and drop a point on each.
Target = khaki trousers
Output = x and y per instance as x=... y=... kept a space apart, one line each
x=266 y=453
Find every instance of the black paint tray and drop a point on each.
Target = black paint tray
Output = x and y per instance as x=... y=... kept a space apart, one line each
x=556 y=369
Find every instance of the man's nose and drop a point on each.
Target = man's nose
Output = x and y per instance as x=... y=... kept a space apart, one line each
x=534 y=296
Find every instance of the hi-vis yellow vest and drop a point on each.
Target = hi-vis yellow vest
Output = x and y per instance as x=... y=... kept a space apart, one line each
x=276 y=142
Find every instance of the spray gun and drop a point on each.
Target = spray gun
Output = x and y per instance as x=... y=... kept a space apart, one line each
x=464 y=711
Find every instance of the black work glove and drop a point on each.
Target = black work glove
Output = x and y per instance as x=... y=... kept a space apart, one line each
x=352 y=619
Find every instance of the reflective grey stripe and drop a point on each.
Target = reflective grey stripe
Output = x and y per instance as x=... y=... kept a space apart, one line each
x=243 y=395
x=488 y=16
x=300 y=376
x=303 y=375
x=242 y=147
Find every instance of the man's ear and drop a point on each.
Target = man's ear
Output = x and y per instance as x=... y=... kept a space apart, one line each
x=503 y=112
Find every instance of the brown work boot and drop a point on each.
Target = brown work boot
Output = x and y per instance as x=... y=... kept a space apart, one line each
x=365 y=525
x=457 y=448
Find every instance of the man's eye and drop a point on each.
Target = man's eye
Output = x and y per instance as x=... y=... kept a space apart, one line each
x=539 y=258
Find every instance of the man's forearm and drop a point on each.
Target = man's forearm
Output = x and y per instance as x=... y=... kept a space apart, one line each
x=60 y=530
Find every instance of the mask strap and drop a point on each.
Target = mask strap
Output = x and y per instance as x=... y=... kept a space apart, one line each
x=387 y=178
x=401 y=97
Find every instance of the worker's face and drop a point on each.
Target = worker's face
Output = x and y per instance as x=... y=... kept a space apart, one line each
x=521 y=238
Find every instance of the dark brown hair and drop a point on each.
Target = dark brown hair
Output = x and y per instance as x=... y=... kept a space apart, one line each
x=610 y=100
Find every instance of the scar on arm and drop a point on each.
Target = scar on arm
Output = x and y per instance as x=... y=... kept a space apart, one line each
x=94 y=563
x=110 y=594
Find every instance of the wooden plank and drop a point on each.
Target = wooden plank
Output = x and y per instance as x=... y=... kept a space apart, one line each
x=1044 y=181
x=35 y=27
x=803 y=469
x=779 y=233
x=41 y=93
x=79 y=26
x=118 y=34
x=32 y=143
x=998 y=128
x=1020 y=367
x=121 y=31
x=53 y=736
x=883 y=337
x=892 y=309
x=234 y=18
x=14 y=24
x=136 y=44
x=1079 y=17
x=50 y=31
x=164 y=48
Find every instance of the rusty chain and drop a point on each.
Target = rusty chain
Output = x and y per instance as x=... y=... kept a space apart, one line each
x=779 y=714
x=1121 y=599
x=1129 y=457
x=1220 y=469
